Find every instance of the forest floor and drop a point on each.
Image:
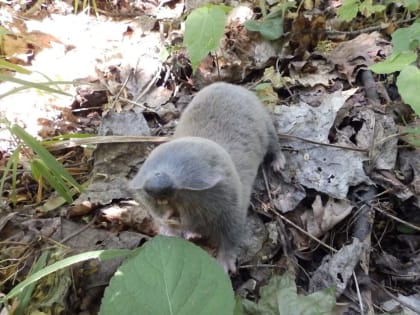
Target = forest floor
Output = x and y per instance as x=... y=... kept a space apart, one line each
x=345 y=210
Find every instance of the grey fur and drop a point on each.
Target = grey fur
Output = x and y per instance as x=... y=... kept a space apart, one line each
x=207 y=172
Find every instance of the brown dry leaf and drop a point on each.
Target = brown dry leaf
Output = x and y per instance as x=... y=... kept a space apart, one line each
x=306 y=33
x=359 y=52
x=324 y=217
x=20 y=46
x=312 y=72
x=40 y=40
x=14 y=45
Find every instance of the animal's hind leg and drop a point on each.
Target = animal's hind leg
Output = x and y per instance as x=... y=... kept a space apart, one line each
x=274 y=150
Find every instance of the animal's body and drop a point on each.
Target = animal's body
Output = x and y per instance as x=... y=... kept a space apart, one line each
x=200 y=183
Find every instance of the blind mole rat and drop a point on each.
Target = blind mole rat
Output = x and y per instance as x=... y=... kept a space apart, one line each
x=200 y=183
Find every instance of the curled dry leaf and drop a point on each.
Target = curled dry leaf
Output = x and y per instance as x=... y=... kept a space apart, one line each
x=324 y=217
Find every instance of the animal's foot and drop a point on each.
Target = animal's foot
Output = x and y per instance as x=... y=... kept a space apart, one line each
x=168 y=231
x=279 y=161
x=191 y=235
x=228 y=262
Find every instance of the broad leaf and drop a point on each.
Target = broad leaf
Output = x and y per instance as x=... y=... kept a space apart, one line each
x=407 y=38
x=395 y=62
x=348 y=11
x=169 y=276
x=204 y=28
x=270 y=29
x=408 y=83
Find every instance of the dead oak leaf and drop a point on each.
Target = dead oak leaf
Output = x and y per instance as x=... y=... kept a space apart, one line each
x=324 y=217
x=358 y=52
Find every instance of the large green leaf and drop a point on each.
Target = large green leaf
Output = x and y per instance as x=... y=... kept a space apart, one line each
x=406 y=38
x=395 y=62
x=169 y=276
x=408 y=83
x=204 y=28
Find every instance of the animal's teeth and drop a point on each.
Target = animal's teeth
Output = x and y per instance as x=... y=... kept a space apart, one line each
x=162 y=202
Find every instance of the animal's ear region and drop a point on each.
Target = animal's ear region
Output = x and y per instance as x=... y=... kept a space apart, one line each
x=201 y=181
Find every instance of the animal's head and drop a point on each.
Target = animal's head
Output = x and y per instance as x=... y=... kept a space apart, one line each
x=173 y=174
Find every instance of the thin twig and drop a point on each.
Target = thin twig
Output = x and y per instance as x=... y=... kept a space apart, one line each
x=121 y=89
x=149 y=86
x=359 y=296
x=369 y=29
x=83 y=228
x=259 y=266
x=104 y=139
x=286 y=136
x=137 y=104
x=415 y=227
x=392 y=296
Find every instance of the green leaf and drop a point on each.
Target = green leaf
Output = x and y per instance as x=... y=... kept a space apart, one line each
x=36 y=171
x=408 y=83
x=204 y=28
x=26 y=294
x=11 y=66
x=348 y=11
x=413 y=136
x=405 y=229
x=412 y=5
x=169 y=276
x=99 y=254
x=280 y=9
x=239 y=309
x=367 y=9
x=406 y=38
x=270 y=29
x=56 y=168
x=276 y=12
x=164 y=54
x=395 y=62
x=280 y=297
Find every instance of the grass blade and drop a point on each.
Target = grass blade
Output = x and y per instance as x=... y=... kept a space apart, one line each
x=26 y=295
x=39 y=168
x=40 y=86
x=56 y=168
x=66 y=262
